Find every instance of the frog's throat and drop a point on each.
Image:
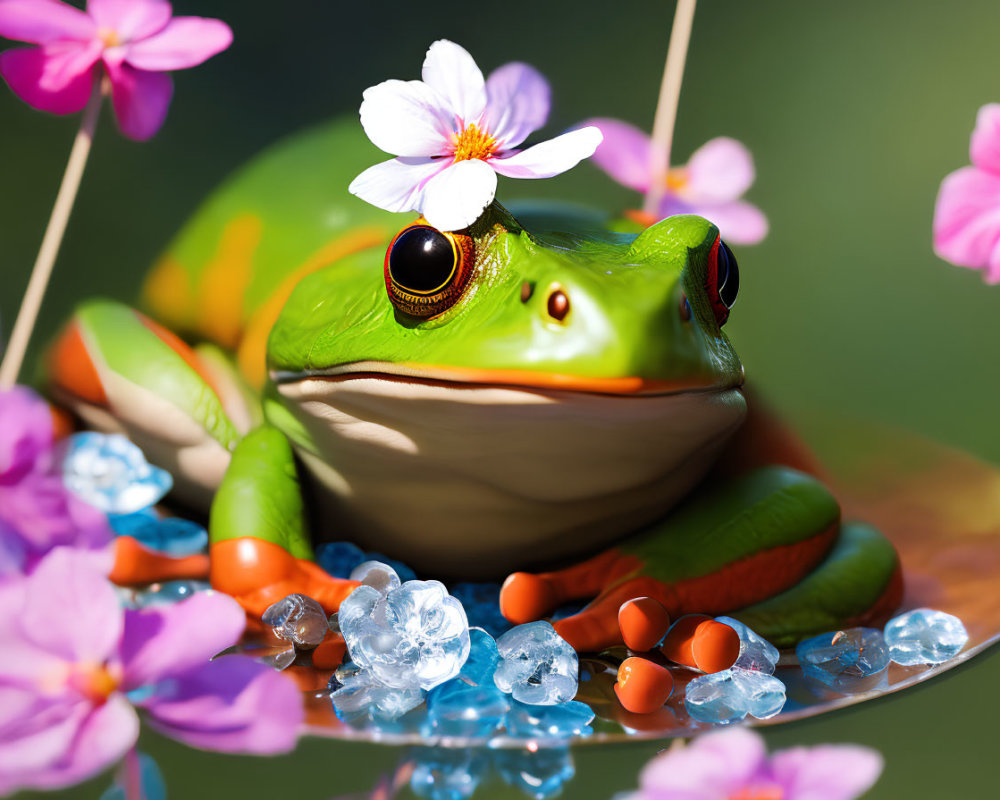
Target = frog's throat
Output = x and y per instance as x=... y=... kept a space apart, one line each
x=515 y=378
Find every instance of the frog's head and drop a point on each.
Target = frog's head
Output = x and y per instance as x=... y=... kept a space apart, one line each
x=547 y=390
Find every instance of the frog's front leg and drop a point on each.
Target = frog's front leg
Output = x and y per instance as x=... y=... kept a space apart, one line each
x=260 y=550
x=723 y=550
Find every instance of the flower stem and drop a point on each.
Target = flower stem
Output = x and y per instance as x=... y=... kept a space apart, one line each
x=28 y=314
x=666 y=106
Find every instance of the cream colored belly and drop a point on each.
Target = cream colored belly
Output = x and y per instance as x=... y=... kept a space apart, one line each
x=482 y=480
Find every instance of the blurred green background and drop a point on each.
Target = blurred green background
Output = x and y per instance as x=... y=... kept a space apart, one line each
x=854 y=111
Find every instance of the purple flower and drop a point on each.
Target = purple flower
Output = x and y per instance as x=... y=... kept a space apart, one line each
x=37 y=512
x=76 y=664
x=135 y=42
x=733 y=765
x=454 y=131
x=709 y=185
x=967 y=213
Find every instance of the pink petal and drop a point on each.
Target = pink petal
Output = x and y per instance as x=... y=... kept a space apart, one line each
x=518 y=100
x=36 y=739
x=25 y=434
x=232 y=704
x=140 y=99
x=552 y=157
x=738 y=223
x=718 y=171
x=398 y=184
x=624 y=153
x=57 y=78
x=185 y=42
x=984 y=149
x=827 y=772
x=131 y=20
x=456 y=197
x=70 y=609
x=454 y=75
x=714 y=765
x=967 y=220
x=168 y=640
x=44 y=21
x=406 y=118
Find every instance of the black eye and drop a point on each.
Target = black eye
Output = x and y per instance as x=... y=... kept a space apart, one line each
x=427 y=270
x=723 y=280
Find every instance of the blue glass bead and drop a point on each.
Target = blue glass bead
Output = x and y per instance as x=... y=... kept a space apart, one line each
x=765 y=693
x=719 y=698
x=541 y=774
x=172 y=535
x=170 y=592
x=756 y=653
x=925 y=636
x=475 y=712
x=339 y=558
x=537 y=665
x=846 y=661
x=128 y=524
x=444 y=774
x=550 y=722
x=483 y=657
x=404 y=572
x=482 y=606
x=111 y=473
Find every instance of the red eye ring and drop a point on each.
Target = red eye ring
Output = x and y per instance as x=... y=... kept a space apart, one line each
x=722 y=280
x=427 y=270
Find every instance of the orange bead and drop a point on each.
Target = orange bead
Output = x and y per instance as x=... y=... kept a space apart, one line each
x=715 y=646
x=525 y=597
x=643 y=623
x=677 y=643
x=643 y=687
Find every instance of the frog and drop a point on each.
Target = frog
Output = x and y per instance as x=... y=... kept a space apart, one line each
x=548 y=395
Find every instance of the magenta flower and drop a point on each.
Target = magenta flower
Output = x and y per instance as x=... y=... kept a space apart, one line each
x=133 y=42
x=454 y=131
x=733 y=765
x=37 y=513
x=967 y=213
x=709 y=185
x=76 y=665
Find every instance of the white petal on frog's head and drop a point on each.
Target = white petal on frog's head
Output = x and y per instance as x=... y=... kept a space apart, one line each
x=552 y=157
x=454 y=199
x=452 y=72
x=398 y=184
x=406 y=118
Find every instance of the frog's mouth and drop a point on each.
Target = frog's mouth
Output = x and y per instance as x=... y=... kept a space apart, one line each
x=513 y=378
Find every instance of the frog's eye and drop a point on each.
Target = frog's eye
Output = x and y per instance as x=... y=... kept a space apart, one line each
x=427 y=270
x=723 y=281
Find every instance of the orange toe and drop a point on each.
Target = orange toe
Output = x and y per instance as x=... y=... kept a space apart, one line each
x=137 y=565
x=525 y=597
x=715 y=646
x=643 y=623
x=677 y=643
x=643 y=686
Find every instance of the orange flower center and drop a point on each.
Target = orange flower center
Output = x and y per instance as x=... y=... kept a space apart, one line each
x=94 y=681
x=109 y=37
x=677 y=179
x=759 y=793
x=474 y=143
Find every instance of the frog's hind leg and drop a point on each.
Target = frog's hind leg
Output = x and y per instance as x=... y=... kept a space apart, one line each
x=121 y=372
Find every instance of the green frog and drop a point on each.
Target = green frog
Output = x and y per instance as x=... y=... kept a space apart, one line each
x=548 y=395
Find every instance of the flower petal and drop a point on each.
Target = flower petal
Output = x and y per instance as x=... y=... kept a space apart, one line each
x=70 y=609
x=398 y=184
x=406 y=118
x=719 y=170
x=624 y=153
x=827 y=772
x=967 y=220
x=167 y=640
x=984 y=149
x=53 y=78
x=44 y=21
x=452 y=72
x=184 y=42
x=233 y=704
x=456 y=197
x=37 y=735
x=140 y=99
x=517 y=103
x=552 y=157
x=26 y=432
x=738 y=222
x=130 y=19
x=714 y=765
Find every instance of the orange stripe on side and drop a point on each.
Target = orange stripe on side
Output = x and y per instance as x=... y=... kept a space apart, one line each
x=252 y=354
x=168 y=295
x=72 y=369
x=175 y=343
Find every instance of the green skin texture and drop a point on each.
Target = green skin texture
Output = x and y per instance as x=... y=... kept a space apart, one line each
x=624 y=323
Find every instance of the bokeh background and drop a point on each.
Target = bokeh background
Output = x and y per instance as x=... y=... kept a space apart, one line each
x=854 y=112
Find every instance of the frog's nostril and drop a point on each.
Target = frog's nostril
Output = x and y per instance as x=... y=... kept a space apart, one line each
x=527 y=290
x=558 y=305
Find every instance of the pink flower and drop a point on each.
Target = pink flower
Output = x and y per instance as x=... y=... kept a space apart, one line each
x=733 y=765
x=454 y=131
x=967 y=214
x=135 y=41
x=37 y=512
x=709 y=185
x=75 y=665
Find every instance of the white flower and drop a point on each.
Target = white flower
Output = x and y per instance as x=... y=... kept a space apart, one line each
x=454 y=131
